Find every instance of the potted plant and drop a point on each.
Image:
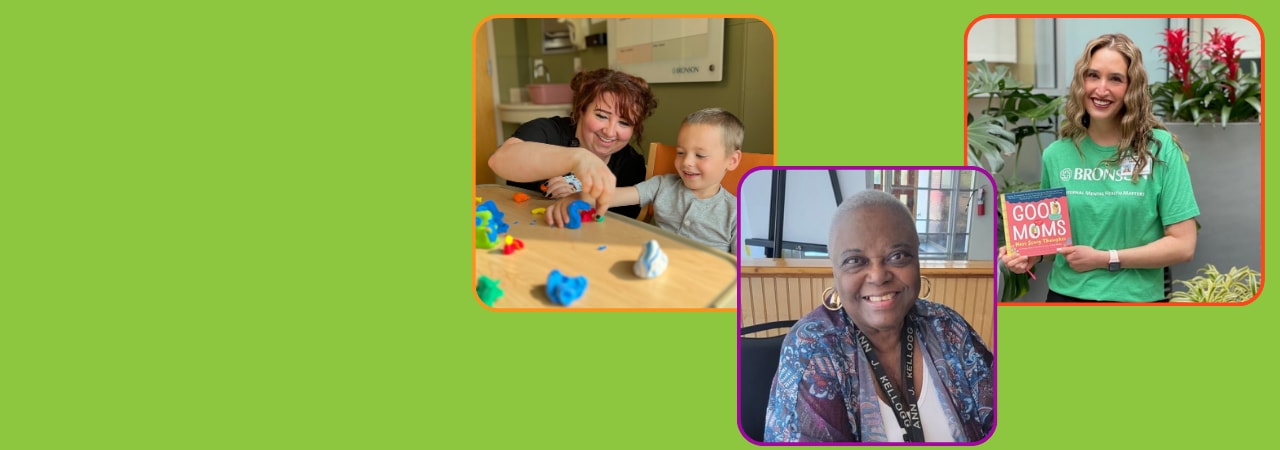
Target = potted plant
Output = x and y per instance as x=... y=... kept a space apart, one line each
x=1205 y=81
x=1237 y=285
x=1208 y=84
x=1009 y=114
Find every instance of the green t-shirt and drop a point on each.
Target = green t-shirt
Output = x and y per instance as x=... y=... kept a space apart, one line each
x=1110 y=212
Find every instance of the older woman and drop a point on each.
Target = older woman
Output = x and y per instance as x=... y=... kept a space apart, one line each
x=593 y=144
x=876 y=363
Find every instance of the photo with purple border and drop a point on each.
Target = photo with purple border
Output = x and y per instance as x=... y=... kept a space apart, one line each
x=789 y=208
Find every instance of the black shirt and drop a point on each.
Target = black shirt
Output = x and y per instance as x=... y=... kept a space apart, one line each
x=627 y=165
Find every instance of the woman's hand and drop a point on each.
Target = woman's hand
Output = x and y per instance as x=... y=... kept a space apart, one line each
x=560 y=187
x=1083 y=258
x=1015 y=262
x=598 y=182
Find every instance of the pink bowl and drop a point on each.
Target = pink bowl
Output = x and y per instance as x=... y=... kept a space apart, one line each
x=550 y=93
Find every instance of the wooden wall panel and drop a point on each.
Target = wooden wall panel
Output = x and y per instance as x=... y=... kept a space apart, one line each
x=779 y=293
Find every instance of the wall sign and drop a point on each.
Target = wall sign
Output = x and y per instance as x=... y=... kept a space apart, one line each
x=668 y=50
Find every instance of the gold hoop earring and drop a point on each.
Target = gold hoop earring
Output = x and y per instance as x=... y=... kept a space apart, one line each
x=831 y=299
x=929 y=284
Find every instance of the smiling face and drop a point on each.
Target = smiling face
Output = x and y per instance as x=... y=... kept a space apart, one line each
x=601 y=129
x=1105 y=83
x=874 y=252
x=702 y=159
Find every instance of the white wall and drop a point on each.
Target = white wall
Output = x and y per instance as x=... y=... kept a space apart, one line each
x=753 y=212
x=993 y=40
x=982 y=242
x=811 y=202
x=1252 y=38
x=1146 y=33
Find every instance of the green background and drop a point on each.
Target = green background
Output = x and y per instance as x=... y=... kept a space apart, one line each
x=239 y=225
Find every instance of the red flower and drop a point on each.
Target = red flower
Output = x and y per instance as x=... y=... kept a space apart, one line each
x=1178 y=54
x=1222 y=48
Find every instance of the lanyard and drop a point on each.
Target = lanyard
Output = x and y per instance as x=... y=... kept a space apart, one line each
x=909 y=415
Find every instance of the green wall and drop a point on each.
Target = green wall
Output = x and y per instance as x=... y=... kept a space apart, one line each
x=746 y=89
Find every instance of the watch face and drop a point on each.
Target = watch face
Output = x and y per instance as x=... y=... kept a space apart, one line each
x=1114 y=267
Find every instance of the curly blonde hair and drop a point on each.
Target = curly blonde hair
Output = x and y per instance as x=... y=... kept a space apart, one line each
x=1137 y=119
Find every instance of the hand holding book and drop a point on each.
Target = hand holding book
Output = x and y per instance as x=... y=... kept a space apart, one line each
x=1019 y=263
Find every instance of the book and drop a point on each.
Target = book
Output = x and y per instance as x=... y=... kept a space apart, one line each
x=1036 y=222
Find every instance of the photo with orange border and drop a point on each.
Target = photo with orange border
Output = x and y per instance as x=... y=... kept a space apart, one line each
x=538 y=250
x=1050 y=102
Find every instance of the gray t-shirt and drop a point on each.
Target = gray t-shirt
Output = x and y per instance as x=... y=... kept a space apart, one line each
x=712 y=221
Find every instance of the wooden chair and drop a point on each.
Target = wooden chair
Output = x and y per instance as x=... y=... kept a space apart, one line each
x=662 y=160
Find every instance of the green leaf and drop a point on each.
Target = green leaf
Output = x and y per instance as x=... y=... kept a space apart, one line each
x=1257 y=104
x=1045 y=111
x=1237 y=285
x=1016 y=285
x=984 y=81
x=1209 y=98
x=990 y=142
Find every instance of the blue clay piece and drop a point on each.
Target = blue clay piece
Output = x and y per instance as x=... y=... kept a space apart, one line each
x=496 y=221
x=564 y=290
x=575 y=220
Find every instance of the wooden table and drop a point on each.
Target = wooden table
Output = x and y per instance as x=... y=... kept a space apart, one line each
x=697 y=276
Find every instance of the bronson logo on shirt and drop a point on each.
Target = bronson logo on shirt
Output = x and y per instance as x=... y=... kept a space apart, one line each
x=1101 y=173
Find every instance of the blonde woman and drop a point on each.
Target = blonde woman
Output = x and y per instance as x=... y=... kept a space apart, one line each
x=1128 y=191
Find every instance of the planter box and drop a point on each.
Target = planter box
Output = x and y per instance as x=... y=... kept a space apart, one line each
x=1226 y=173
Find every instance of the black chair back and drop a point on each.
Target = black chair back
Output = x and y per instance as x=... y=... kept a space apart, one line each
x=758 y=362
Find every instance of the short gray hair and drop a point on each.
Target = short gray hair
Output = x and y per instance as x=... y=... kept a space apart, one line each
x=731 y=129
x=864 y=199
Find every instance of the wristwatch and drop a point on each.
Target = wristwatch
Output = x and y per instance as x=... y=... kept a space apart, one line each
x=1114 y=264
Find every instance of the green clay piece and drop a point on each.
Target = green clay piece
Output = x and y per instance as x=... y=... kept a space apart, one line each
x=487 y=289
x=485 y=235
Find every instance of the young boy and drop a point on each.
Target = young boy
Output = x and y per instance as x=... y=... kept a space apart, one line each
x=690 y=202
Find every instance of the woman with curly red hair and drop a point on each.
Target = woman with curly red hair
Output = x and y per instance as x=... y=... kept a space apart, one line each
x=593 y=144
